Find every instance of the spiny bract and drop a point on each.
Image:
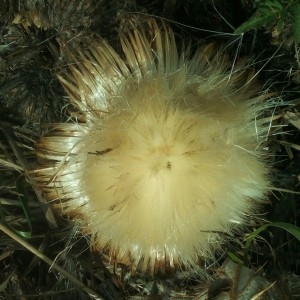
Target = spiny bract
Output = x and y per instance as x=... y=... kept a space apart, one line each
x=166 y=153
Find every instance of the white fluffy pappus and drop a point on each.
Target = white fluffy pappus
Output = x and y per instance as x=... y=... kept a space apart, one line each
x=167 y=153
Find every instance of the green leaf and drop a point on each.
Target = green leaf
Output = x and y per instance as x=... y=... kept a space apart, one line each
x=274 y=4
x=292 y=229
x=255 y=22
x=24 y=203
x=296 y=29
x=234 y=258
x=280 y=25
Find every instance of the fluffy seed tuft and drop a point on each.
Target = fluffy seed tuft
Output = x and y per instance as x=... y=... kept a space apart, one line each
x=167 y=153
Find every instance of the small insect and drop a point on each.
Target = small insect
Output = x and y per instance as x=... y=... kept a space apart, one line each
x=101 y=152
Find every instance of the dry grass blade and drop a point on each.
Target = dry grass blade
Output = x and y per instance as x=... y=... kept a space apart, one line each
x=50 y=262
x=10 y=165
x=293 y=118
